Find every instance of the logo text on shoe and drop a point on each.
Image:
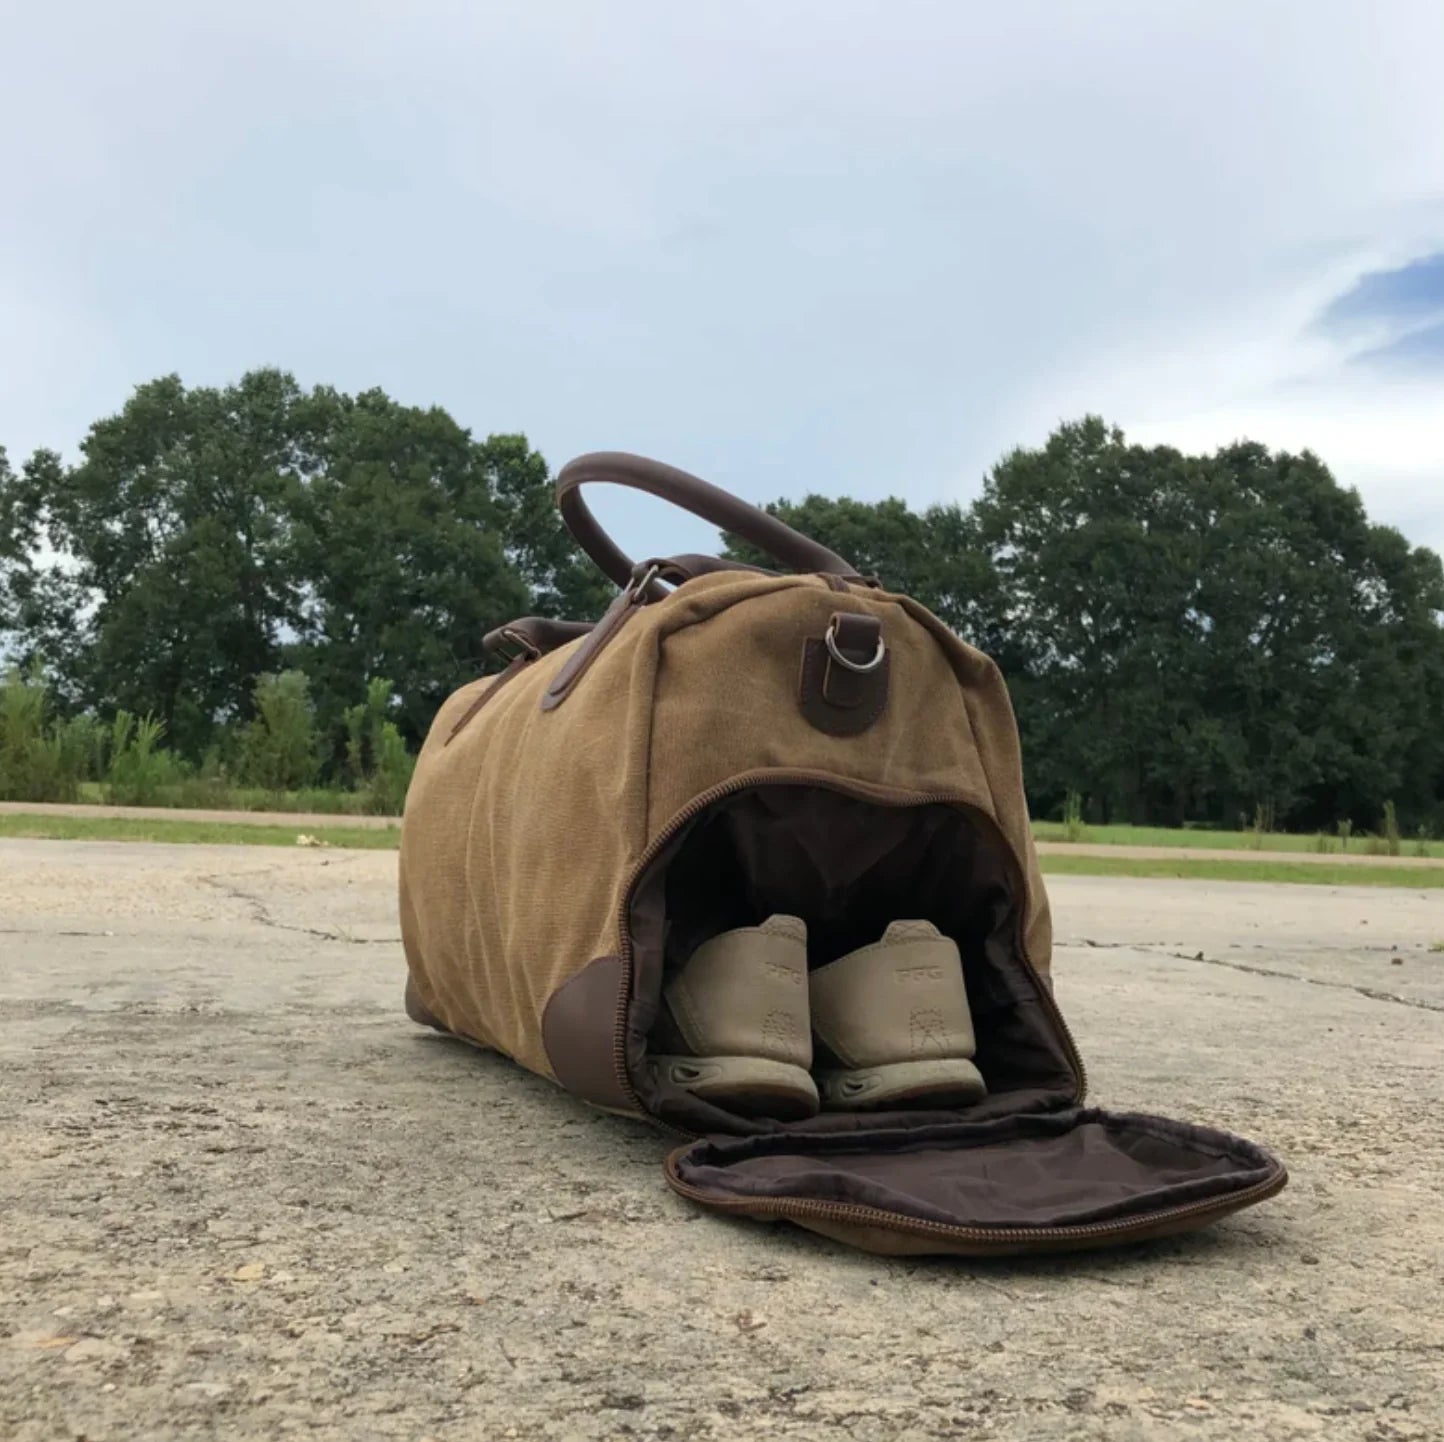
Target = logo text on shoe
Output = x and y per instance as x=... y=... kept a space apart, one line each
x=919 y=973
x=783 y=973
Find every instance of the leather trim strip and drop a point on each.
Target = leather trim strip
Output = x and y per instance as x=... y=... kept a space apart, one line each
x=514 y=668
x=616 y=616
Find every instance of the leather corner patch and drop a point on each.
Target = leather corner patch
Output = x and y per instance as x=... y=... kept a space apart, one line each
x=579 y=1034
x=838 y=701
x=417 y=1009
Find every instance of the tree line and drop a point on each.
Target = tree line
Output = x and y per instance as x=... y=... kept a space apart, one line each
x=1208 y=638
x=1222 y=638
x=208 y=538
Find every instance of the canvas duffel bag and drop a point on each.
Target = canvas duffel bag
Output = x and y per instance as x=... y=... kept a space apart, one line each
x=724 y=744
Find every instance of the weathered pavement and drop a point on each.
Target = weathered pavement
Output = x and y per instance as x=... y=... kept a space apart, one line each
x=241 y=1196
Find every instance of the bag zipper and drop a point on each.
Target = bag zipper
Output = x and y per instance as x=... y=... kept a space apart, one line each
x=849 y=1213
x=862 y=791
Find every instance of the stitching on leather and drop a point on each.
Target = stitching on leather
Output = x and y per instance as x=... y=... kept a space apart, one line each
x=813 y=693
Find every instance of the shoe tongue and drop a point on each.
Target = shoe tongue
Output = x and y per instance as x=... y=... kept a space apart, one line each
x=911 y=931
x=792 y=927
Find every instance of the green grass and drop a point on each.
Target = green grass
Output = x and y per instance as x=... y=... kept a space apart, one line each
x=1187 y=868
x=215 y=796
x=213 y=833
x=223 y=833
x=331 y=802
x=1191 y=840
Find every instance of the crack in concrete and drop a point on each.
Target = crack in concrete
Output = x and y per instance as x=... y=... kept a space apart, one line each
x=1278 y=947
x=41 y=931
x=1372 y=993
x=261 y=914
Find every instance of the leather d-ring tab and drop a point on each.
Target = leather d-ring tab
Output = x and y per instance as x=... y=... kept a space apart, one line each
x=845 y=675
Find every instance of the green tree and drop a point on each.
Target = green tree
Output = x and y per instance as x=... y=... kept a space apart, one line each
x=562 y=581
x=278 y=750
x=1203 y=636
x=1091 y=555
x=16 y=545
x=175 y=575
x=211 y=536
x=401 y=543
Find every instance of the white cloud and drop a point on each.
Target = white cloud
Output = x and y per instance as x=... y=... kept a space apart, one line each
x=826 y=244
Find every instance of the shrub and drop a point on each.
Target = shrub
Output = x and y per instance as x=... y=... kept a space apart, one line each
x=278 y=752
x=1391 y=829
x=364 y=725
x=386 y=788
x=1073 y=828
x=40 y=759
x=1323 y=844
x=376 y=757
x=138 y=770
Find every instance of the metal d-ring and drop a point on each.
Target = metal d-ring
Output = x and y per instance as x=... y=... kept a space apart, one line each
x=524 y=647
x=836 y=654
x=643 y=574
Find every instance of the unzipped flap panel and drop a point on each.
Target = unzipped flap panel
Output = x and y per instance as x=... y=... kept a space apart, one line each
x=1079 y=1174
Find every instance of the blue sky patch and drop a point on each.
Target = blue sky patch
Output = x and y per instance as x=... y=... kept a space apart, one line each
x=1412 y=294
x=1421 y=349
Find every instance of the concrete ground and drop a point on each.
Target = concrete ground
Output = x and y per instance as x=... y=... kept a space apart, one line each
x=241 y=1196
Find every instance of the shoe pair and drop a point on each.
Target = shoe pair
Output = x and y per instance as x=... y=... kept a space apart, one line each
x=891 y=1021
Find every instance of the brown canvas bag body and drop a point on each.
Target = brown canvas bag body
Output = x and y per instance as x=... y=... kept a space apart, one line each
x=747 y=743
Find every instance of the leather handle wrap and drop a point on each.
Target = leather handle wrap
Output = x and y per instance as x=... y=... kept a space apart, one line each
x=539 y=633
x=691 y=493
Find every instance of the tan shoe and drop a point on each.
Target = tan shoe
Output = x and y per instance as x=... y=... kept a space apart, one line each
x=894 y=1018
x=734 y=1029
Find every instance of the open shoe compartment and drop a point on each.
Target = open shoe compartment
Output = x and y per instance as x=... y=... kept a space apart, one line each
x=1031 y=1182
x=1026 y=1168
x=848 y=863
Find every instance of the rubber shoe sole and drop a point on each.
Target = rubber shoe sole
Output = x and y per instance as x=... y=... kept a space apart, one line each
x=940 y=1082
x=748 y=1085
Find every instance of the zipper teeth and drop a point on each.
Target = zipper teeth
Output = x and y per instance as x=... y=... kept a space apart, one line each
x=875 y=1216
x=861 y=791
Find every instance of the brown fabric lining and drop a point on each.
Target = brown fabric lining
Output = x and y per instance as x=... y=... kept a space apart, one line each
x=848 y=867
x=1071 y=1168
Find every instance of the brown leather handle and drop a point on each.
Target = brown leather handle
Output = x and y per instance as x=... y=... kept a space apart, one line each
x=538 y=634
x=683 y=568
x=691 y=493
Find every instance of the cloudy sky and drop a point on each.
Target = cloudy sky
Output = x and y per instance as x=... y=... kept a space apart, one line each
x=790 y=244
